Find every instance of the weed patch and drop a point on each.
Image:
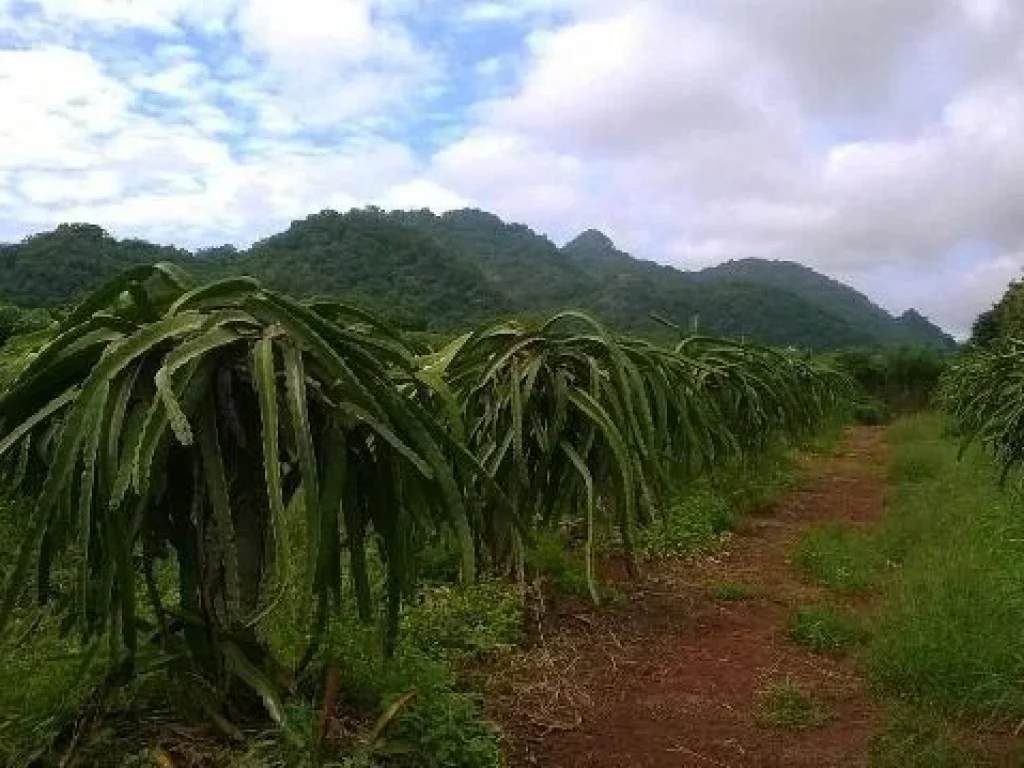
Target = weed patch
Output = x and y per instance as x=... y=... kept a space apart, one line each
x=559 y=568
x=915 y=738
x=692 y=522
x=947 y=630
x=825 y=629
x=788 y=706
x=468 y=620
x=919 y=461
x=733 y=592
x=838 y=556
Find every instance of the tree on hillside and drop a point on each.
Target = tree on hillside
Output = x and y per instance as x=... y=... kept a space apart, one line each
x=985 y=329
x=1005 y=318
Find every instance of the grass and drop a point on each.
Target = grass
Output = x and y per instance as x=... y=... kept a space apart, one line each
x=948 y=629
x=788 y=706
x=41 y=686
x=753 y=489
x=442 y=725
x=917 y=738
x=838 y=556
x=692 y=522
x=703 y=509
x=44 y=677
x=827 y=441
x=733 y=592
x=825 y=629
x=919 y=462
x=561 y=567
x=453 y=622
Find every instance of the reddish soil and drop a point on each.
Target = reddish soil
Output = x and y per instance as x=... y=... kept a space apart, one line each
x=671 y=676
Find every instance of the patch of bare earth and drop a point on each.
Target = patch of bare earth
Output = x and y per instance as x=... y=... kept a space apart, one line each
x=671 y=677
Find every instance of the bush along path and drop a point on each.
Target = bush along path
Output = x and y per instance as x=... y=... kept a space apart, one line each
x=733 y=659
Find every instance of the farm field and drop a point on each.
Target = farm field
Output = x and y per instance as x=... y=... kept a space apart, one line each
x=243 y=530
x=511 y=384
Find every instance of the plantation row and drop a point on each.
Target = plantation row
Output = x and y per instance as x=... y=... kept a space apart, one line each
x=195 y=455
x=983 y=392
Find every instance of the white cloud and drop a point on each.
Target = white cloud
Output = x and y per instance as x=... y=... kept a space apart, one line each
x=489 y=12
x=303 y=28
x=850 y=136
x=49 y=187
x=158 y=16
x=62 y=100
x=196 y=148
x=330 y=61
x=421 y=193
x=870 y=139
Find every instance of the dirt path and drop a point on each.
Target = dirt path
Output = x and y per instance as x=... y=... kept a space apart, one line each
x=672 y=676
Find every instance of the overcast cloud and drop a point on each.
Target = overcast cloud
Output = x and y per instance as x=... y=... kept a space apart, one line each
x=880 y=141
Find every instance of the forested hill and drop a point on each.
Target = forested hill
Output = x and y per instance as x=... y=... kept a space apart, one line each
x=841 y=300
x=430 y=271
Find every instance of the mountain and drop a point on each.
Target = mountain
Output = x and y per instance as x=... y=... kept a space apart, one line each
x=447 y=271
x=59 y=266
x=362 y=254
x=629 y=291
x=842 y=301
x=793 y=303
x=526 y=267
x=919 y=328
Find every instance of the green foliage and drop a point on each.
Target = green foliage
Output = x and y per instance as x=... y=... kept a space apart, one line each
x=17 y=353
x=409 y=277
x=733 y=592
x=917 y=738
x=15 y=321
x=448 y=733
x=825 y=629
x=984 y=394
x=692 y=522
x=1004 y=321
x=838 y=556
x=55 y=268
x=753 y=486
x=44 y=681
x=44 y=677
x=871 y=412
x=947 y=631
x=163 y=418
x=551 y=559
x=897 y=380
x=985 y=330
x=440 y=725
x=463 y=620
x=787 y=705
x=926 y=427
x=919 y=462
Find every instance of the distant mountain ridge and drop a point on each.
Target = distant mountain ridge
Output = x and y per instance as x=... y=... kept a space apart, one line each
x=446 y=271
x=844 y=302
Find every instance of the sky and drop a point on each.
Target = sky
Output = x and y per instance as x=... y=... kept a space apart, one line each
x=879 y=141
